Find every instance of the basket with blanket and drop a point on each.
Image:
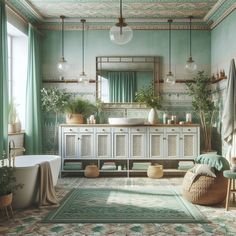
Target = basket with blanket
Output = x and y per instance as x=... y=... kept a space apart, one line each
x=204 y=184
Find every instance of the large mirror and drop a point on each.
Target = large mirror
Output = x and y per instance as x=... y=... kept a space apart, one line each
x=118 y=78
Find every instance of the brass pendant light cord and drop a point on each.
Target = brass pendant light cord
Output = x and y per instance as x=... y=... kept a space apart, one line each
x=170 y=21
x=83 y=21
x=62 y=35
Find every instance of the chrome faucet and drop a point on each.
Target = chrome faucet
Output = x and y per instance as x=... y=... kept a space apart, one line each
x=12 y=152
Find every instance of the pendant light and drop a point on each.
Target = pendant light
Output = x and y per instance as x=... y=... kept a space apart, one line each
x=83 y=77
x=62 y=65
x=190 y=65
x=170 y=79
x=121 y=33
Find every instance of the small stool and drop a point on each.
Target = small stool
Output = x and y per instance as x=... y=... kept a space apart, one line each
x=231 y=176
x=91 y=171
x=155 y=171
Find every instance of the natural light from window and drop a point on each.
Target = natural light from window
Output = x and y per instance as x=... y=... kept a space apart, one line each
x=17 y=69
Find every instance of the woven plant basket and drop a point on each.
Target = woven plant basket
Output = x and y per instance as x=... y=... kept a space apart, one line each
x=204 y=190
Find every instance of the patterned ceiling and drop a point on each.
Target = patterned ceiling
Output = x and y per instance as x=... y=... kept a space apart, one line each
x=44 y=11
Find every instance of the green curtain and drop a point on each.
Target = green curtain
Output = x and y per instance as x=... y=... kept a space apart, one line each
x=3 y=80
x=33 y=102
x=122 y=86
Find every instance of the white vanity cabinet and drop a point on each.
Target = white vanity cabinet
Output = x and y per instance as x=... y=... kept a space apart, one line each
x=86 y=142
x=103 y=142
x=138 y=139
x=120 y=144
x=125 y=145
x=172 y=142
x=69 y=142
x=156 y=142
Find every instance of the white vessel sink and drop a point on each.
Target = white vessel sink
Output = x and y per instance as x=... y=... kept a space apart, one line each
x=126 y=121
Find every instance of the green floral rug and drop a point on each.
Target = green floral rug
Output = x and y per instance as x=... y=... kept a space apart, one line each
x=131 y=205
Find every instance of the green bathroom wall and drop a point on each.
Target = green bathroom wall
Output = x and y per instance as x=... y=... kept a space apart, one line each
x=144 y=42
x=223 y=46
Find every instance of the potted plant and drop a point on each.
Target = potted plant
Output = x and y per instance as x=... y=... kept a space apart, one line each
x=79 y=109
x=7 y=185
x=146 y=95
x=203 y=105
x=54 y=100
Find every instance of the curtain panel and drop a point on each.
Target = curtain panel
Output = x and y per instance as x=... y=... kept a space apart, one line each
x=3 y=81
x=33 y=100
x=122 y=86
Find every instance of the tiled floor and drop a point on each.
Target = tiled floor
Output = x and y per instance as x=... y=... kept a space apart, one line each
x=27 y=222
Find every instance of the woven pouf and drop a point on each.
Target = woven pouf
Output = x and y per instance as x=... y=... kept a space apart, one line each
x=91 y=171
x=204 y=190
x=155 y=171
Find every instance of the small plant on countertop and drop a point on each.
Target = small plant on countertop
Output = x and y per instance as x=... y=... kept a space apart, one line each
x=146 y=95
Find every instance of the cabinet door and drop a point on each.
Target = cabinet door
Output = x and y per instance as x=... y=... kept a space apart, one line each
x=156 y=142
x=189 y=143
x=138 y=142
x=103 y=143
x=172 y=140
x=120 y=143
x=86 y=143
x=70 y=145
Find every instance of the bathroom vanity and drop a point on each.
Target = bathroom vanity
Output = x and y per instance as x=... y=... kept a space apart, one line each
x=124 y=145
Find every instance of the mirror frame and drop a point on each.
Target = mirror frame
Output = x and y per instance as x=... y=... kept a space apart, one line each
x=130 y=59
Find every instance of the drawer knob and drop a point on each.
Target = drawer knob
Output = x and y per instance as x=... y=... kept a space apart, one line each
x=189 y=129
x=164 y=138
x=71 y=130
x=156 y=129
x=137 y=129
x=103 y=129
x=86 y=129
x=121 y=129
x=172 y=129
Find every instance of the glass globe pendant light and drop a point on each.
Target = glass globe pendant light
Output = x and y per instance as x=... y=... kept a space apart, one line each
x=190 y=66
x=83 y=77
x=121 y=33
x=170 y=79
x=62 y=65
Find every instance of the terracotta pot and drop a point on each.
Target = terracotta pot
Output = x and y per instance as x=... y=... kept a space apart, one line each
x=74 y=119
x=5 y=200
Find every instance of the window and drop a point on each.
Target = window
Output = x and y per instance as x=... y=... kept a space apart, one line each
x=17 y=69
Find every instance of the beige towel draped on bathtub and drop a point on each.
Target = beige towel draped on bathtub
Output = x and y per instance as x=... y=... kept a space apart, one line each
x=47 y=194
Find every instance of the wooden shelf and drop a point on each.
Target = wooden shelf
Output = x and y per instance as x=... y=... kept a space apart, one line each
x=66 y=81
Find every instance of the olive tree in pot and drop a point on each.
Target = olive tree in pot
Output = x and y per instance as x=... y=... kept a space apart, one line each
x=203 y=105
x=78 y=109
x=54 y=100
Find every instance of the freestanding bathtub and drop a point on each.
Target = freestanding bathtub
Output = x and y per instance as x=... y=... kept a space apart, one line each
x=27 y=167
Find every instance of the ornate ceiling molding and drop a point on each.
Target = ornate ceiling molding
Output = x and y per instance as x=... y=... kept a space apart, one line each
x=216 y=14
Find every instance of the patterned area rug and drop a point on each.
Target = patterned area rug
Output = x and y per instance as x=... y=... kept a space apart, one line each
x=133 y=205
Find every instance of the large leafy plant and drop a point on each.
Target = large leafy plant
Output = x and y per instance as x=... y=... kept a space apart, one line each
x=80 y=106
x=146 y=95
x=203 y=105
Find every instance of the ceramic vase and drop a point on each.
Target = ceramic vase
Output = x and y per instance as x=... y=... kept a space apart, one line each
x=152 y=116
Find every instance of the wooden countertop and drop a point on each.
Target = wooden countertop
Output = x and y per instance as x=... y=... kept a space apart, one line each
x=147 y=125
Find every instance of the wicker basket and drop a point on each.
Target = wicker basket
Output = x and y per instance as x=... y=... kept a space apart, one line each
x=204 y=190
x=155 y=171
x=91 y=171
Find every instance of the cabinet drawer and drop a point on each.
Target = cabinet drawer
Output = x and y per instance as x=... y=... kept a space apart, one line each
x=156 y=129
x=120 y=129
x=189 y=129
x=172 y=129
x=86 y=129
x=103 y=129
x=138 y=129
x=70 y=129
